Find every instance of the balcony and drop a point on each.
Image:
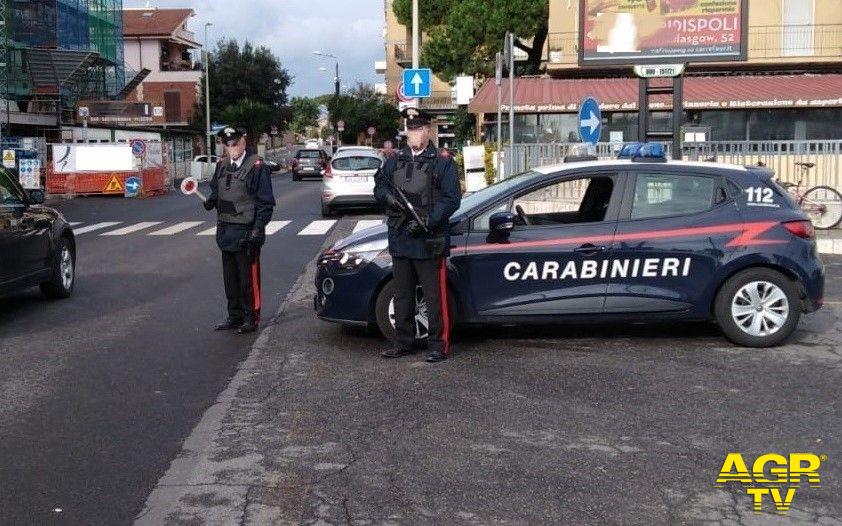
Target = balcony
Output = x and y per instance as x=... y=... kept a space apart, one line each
x=822 y=42
x=439 y=100
x=777 y=42
x=402 y=52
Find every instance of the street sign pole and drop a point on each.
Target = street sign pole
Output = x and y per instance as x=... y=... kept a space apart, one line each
x=498 y=80
x=510 y=47
x=416 y=44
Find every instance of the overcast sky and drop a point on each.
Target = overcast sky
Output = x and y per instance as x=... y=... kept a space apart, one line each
x=293 y=29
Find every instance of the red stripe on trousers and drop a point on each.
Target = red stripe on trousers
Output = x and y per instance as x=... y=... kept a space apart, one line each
x=445 y=326
x=255 y=285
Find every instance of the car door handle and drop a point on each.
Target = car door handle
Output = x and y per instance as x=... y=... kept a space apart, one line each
x=589 y=249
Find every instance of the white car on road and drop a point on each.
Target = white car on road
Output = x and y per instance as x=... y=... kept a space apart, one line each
x=348 y=181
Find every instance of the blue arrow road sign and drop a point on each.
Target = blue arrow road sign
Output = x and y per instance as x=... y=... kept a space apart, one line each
x=132 y=186
x=590 y=121
x=416 y=82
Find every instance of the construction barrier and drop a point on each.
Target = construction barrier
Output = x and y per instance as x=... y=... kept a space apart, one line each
x=153 y=181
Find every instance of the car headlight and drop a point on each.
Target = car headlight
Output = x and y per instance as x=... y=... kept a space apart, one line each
x=355 y=256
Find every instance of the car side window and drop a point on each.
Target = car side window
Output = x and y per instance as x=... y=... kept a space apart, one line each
x=583 y=200
x=9 y=191
x=661 y=195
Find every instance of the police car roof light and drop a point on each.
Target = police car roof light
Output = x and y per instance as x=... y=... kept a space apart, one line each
x=581 y=152
x=650 y=152
x=629 y=150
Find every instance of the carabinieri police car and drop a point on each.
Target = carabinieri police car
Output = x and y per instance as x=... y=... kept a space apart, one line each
x=628 y=240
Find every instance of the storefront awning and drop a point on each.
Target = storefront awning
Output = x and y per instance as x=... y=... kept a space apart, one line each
x=548 y=95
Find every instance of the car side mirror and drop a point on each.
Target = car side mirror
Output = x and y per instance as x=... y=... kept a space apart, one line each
x=35 y=197
x=500 y=226
x=502 y=222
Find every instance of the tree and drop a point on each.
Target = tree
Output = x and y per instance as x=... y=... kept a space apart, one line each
x=245 y=74
x=305 y=113
x=254 y=116
x=464 y=35
x=362 y=107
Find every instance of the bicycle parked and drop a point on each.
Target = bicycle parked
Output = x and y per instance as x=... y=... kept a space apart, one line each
x=822 y=203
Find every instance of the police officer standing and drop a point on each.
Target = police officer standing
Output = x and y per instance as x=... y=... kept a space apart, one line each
x=241 y=192
x=419 y=188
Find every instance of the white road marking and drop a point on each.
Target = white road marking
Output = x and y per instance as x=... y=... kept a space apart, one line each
x=366 y=223
x=209 y=232
x=318 y=227
x=74 y=223
x=96 y=226
x=176 y=228
x=133 y=228
x=274 y=226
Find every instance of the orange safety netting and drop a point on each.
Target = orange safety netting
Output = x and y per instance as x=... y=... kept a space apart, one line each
x=87 y=183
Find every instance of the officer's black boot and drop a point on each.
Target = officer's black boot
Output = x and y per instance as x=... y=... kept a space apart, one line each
x=436 y=356
x=397 y=353
x=248 y=326
x=228 y=324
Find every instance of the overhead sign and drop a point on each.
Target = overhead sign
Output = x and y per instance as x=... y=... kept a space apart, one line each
x=8 y=158
x=113 y=185
x=138 y=147
x=662 y=31
x=371 y=130
x=464 y=90
x=590 y=121
x=29 y=173
x=659 y=71
x=133 y=186
x=340 y=125
x=417 y=83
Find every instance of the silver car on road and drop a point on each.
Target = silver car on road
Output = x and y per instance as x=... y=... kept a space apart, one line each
x=348 y=181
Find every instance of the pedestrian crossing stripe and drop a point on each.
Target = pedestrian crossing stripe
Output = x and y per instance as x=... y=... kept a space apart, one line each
x=117 y=228
x=113 y=185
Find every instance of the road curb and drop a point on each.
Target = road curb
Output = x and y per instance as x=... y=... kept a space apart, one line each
x=162 y=501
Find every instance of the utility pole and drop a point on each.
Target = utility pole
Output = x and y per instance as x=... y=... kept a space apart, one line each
x=511 y=50
x=207 y=98
x=498 y=80
x=337 y=83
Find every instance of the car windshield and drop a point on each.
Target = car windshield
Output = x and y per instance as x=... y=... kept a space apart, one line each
x=357 y=162
x=493 y=192
x=309 y=154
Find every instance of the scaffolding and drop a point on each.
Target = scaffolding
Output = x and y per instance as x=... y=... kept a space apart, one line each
x=48 y=35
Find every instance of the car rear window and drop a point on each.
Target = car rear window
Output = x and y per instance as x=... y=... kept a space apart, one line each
x=660 y=195
x=309 y=154
x=357 y=162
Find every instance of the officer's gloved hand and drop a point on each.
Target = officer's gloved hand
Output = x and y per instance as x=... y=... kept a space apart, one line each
x=415 y=228
x=255 y=240
x=209 y=204
x=393 y=204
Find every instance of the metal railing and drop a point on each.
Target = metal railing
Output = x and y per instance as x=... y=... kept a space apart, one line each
x=779 y=156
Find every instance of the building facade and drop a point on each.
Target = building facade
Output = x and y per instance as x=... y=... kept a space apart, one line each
x=398 y=43
x=158 y=42
x=788 y=88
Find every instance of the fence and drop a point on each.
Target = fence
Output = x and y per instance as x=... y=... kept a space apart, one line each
x=780 y=156
x=92 y=183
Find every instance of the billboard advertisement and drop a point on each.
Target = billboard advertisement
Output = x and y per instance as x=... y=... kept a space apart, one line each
x=662 y=31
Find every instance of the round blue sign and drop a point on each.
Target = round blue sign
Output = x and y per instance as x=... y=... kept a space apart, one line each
x=138 y=147
x=590 y=121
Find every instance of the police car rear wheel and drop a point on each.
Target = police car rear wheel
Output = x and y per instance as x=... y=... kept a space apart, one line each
x=64 y=273
x=758 y=308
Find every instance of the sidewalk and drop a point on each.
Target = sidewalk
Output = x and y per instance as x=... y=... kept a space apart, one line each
x=829 y=241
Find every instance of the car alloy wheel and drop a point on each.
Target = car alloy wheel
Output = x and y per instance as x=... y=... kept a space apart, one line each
x=66 y=268
x=422 y=324
x=760 y=308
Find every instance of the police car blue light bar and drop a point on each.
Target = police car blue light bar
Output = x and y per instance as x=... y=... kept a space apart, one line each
x=629 y=150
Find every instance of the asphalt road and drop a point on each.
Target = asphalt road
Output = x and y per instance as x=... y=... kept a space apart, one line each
x=98 y=392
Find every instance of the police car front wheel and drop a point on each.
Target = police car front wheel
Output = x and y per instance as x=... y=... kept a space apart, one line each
x=384 y=312
x=758 y=307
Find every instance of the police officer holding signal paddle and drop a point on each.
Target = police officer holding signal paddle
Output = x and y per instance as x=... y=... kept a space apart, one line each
x=419 y=188
x=241 y=192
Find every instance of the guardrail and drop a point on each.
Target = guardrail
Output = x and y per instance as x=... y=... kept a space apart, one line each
x=779 y=156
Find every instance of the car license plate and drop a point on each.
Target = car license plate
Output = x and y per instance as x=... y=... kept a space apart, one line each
x=356 y=179
x=308 y=168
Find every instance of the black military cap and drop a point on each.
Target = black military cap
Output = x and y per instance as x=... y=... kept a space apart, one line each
x=416 y=118
x=230 y=133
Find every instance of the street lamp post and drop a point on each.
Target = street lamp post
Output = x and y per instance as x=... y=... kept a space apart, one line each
x=336 y=92
x=207 y=98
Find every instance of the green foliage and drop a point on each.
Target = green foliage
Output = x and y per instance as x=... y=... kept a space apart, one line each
x=464 y=125
x=360 y=108
x=305 y=113
x=245 y=74
x=464 y=35
x=490 y=172
x=251 y=115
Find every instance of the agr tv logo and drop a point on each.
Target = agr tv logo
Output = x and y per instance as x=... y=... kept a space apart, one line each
x=773 y=477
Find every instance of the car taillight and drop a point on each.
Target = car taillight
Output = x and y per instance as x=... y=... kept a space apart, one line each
x=327 y=172
x=802 y=229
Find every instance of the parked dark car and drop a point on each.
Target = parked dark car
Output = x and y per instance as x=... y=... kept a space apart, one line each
x=37 y=246
x=309 y=162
